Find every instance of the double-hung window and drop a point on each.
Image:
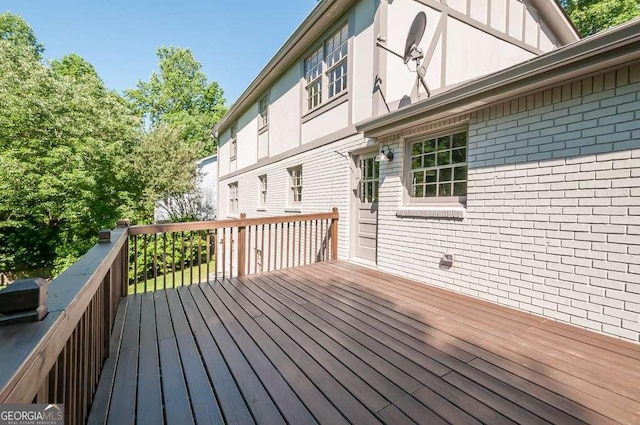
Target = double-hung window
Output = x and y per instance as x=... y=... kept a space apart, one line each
x=336 y=48
x=233 y=198
x=326 y=69
x=295 y=185
x=234 y=141
x=437 y=169
x=313 y=74
x=263 y=191
x=264 y=112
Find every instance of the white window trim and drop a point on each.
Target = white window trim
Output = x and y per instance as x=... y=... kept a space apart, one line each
x=292 y=204
x=233 y=200
x=263 y=115
x=233 y=142
x=263 y=191
x=453 y=202
x=323 y=75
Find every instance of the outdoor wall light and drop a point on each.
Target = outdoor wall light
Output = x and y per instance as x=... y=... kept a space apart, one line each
x=384 y=157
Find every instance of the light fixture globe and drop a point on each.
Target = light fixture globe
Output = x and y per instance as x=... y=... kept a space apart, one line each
x=384 y=156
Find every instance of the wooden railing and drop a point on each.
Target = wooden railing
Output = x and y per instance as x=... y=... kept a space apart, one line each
x=60 y=359
x=176 y=254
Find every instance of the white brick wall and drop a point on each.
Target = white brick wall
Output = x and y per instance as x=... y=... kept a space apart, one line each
x=326 y=184
x=552 y=223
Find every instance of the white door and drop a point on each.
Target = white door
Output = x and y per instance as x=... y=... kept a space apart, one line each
x=366 y=202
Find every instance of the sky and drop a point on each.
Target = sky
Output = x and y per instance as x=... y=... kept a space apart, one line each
x=233 y=40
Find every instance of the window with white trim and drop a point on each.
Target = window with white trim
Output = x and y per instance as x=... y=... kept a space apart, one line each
x=264 y=111
x=438 y=168
x=336 y=61
x=326 y=69
x=234 y=141
x=295 y=185
x=263 y=191
x=233 y=198
x=313 y=75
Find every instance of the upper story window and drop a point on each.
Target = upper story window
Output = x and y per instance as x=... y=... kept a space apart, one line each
x=234 y=141
x=336 y=62
x=295 y=185
x=438 y=168
x=264 y=111
x=263 y=191
x=326 y=69
x=313 y=74
x=233 y=198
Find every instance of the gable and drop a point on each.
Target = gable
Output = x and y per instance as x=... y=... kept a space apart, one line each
x=464 y=40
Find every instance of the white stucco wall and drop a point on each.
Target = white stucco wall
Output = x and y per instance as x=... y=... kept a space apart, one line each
x=462 y=51
x=285 y=112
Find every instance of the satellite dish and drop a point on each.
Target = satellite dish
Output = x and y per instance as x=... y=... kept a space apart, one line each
x=411 y=50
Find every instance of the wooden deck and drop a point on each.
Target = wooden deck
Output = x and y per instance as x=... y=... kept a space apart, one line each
x=335 y=343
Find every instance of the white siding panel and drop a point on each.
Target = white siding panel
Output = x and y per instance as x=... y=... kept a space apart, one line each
x=326 y=123
x=499 y=15
x=479 y=10
x=362 y=60
x=489 y=54
x=284 y=113
x=263 y=145
x=515 y=19
x=459 y=5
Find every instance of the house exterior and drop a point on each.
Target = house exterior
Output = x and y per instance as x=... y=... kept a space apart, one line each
x=203 y=203
x=517 y=181
x=208 y=183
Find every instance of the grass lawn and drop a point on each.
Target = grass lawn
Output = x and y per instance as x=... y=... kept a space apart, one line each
x=168 y=281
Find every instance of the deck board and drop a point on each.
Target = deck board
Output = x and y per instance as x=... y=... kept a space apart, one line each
x=336 y=343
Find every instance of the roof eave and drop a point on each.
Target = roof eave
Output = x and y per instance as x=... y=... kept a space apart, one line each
x=325 y=12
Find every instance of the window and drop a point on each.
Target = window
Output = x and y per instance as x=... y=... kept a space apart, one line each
x=327 y=67
x=369 y=180
x=233 y=198
x=438 y=167
x=264 y=111
x=295 y=179
x=234 y=141
x=336 y=61
x=263 y=191
x=313 y=74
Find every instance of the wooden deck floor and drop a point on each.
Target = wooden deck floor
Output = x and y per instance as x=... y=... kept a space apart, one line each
x=335 y=343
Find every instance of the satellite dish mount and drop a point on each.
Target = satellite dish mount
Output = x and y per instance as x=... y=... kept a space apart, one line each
x=411 y=50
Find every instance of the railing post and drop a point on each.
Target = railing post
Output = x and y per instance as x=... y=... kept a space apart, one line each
x=242 y=243
x=334 y=236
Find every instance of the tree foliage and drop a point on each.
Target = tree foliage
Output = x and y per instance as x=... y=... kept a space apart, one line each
x=164 y=169
x=74 y=66
x=591 y=16
x=17 y=32
x=181 y=97
x=62 y=145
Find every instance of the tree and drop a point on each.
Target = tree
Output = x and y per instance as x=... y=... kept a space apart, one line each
x=63 y=146
x=165 y=170
x=181 y=96
x=73 y=66
x=17 y=32
x=591 y=16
